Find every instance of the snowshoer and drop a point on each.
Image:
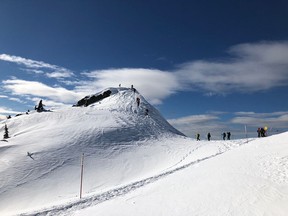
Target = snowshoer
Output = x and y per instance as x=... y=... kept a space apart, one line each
x=209 y=136
x=224 y=136
x=138 y=101
x=259 y=132
x=262 y=132
x=198 y=137
x=228 y=135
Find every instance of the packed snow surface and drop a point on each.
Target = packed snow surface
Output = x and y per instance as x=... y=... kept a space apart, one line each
x=135 y=163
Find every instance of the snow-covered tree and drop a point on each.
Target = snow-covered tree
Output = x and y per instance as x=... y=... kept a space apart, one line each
x=6 y=132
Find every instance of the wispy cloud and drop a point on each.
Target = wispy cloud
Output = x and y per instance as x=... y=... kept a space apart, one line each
x=194 y=119
x=7 y=110
x=51 y=71
x=4 y=111
x=16 y=100
x=12 y=98
x=60 y=74
x=34 y=71
x=32 y=88
x=272 y=120
x=250 y=68
x=26 y=62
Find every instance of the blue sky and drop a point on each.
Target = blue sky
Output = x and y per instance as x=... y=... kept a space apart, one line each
x=208 y=66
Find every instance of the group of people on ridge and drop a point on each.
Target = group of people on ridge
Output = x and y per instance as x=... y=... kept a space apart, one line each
x=228 y=135
x=262 y=132
x=138 y=100
x=224 y=135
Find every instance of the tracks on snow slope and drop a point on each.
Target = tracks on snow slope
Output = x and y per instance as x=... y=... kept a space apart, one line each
x=92 y=200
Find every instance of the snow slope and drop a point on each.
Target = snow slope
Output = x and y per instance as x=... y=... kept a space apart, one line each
x=249 y=180
x=110 y=134
x=135 y=165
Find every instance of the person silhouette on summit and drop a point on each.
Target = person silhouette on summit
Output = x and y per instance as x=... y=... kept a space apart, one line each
x=224 y=136
x=209 y=136
x=228 y=135
x=198 y=137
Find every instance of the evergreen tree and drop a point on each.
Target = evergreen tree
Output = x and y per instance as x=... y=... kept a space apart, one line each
x=6 y=133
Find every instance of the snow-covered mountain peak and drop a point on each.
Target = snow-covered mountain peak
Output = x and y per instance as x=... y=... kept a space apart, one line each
x=45 y=147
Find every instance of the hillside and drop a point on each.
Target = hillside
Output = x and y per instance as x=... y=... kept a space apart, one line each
x=249 y=179
x=109 y=133
x=134 y=164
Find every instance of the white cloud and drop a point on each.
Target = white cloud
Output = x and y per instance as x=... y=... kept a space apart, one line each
x=54 y=71
x=4 y=112
x=57 y=94
x=272 y=120
x=26 y=62
x=261 y=115
x=193 y=119
x=155 y=85
x=250 y=68
x=35 y=71
x=16 y=100
x=60 y=74
x=12 y=99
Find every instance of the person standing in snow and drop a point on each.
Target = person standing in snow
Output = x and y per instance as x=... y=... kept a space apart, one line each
x=138 y=101
x=265 y=131
x=228 y=135
x=262 y=132
x=198 y=137
x=259 y=132
x=209 y=136
x=224 y=136
x=133 y=89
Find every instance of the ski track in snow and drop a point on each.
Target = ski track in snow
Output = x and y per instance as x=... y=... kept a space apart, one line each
x=92 y=200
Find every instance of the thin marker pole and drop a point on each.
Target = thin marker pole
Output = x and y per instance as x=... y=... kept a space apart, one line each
x=246 y=133
x=81 y=178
